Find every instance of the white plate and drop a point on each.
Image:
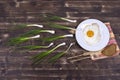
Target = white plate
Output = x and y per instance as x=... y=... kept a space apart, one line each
x=104 y=32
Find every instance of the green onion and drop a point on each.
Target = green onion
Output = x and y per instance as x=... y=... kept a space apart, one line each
x=26 y=36
x=57 y=56
x=37 y=58
x=59 y=26
x=35 y=32
x=50 y=17
x=49 y=39
x=69 y=20
x=21 y=26
x=37 y=25
x=32 y=47
x=18 y=40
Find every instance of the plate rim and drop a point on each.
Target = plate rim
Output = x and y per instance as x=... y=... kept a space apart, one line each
x=91 y=48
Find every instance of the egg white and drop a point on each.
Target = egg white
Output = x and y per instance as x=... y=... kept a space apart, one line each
x=96 y=37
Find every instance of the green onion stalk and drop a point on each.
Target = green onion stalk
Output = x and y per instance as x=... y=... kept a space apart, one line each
x=60 y=26
x=49 y=39
x=36 y=31
x=49 y=17
x=18 y=40
x=33 y=47
x=36 y=25
x=57 y=56
x=21 y=26
x=37 y=58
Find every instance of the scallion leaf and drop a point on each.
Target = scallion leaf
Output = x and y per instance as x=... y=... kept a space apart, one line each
x=18 y=40
x=33 y=47
x=37 y=58
x=50 y=17
x=36 y=31
x=57 y=56
x=49 y=39
x=21 y=26
x=59 y=26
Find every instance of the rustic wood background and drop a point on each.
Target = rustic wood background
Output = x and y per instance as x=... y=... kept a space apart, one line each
x=17 y=66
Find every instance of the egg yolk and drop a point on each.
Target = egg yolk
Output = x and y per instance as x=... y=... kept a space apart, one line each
x=90 y=33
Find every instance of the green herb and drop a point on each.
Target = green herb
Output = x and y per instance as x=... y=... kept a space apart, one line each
x=59 y=26
x=36 y=25
x=49 y=39
x=26 y=36
x=50 y=17
x=18 y=40
x=32 y=47
x=57 y=56
x=37 y=58
x=21 y=26
x=35 y=32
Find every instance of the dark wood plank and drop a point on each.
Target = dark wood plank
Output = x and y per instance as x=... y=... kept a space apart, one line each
x=17 y=65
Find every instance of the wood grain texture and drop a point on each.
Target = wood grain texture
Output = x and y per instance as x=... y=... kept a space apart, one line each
x=17 y=65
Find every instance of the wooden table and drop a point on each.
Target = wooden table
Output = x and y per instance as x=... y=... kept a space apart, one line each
x=17 y=66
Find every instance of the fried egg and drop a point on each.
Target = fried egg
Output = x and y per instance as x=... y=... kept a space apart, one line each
x=91 y=33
